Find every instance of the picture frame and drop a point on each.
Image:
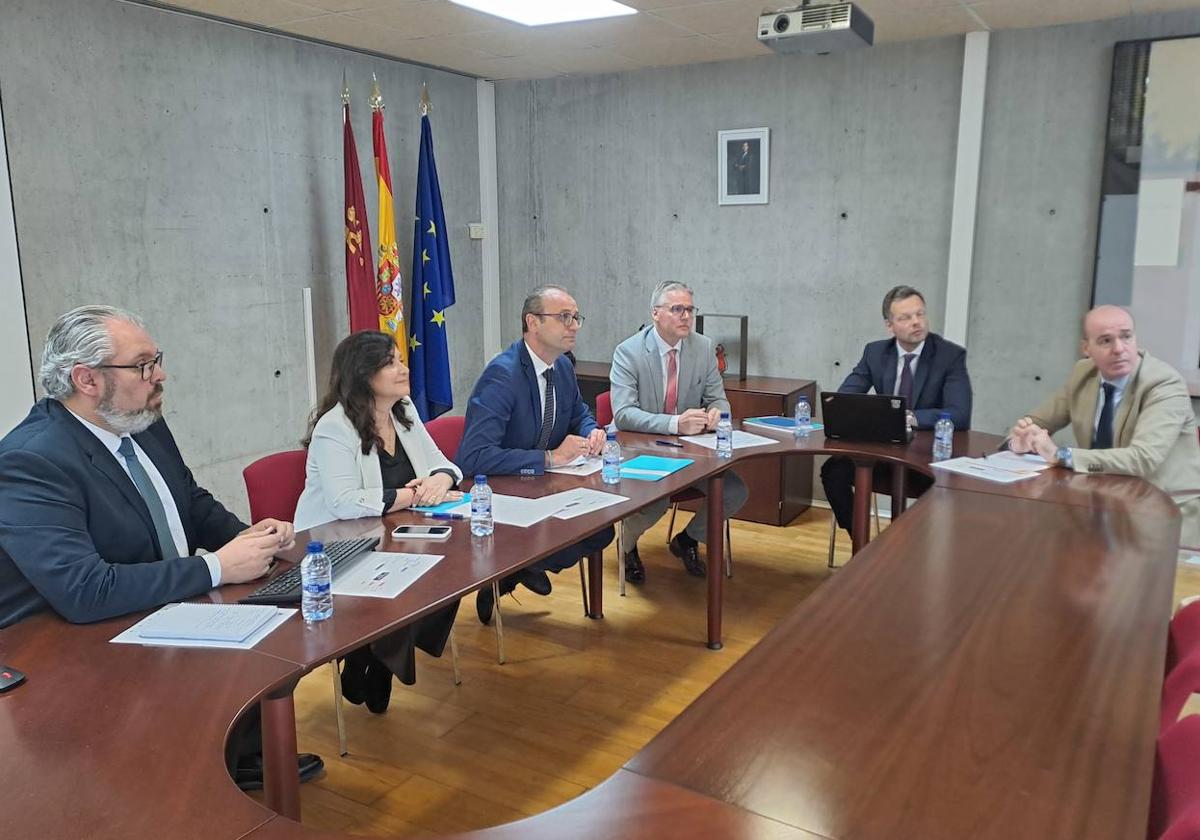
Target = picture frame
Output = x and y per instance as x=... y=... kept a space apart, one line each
x=743 y=165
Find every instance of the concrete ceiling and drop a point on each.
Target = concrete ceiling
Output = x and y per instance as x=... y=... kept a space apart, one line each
x=664 y=32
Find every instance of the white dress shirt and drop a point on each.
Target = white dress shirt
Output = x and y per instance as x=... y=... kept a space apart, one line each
x=663 y=350
x=539 y=368
x=112 y=443
x=901 y=352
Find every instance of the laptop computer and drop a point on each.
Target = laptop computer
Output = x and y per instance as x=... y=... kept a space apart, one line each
x=873 y=418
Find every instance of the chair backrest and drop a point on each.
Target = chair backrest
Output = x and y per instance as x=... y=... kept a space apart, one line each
x=274 y=485
x=1184 y=637
x=1176 y=792
x=447 y=433
x=604 y=413
x=1181 y=683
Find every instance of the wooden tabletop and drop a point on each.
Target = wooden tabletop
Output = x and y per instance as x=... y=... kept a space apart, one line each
x=989 y=667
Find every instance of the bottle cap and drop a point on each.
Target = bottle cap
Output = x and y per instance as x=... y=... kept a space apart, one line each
x=481 y=479
x=611 y=434
x=724 y=415
x=315 y=547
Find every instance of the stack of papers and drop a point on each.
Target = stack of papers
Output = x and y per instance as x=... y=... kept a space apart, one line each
x=379 y=574
x=652 y=467
x=237 y=626
x=778 y=424
x=1002 y=468
x=583 y=465
x=741 y=440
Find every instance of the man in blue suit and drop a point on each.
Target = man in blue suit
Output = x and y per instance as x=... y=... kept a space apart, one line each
x=99 y=516
x=929 y=371
x=526 y=414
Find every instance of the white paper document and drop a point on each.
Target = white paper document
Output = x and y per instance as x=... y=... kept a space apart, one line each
x=982 y=468
x=583 y=465
x=380 y=574
x=741 y=440
x=584 y=500
x=516 y=510
x=231 y=626
x=1013 y=462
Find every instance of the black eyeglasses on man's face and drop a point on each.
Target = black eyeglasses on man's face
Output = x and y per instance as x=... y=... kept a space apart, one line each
x=146 y=368
x=565 y=318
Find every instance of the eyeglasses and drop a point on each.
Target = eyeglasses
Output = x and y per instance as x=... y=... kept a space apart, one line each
x=678 y=309
x=146 y=368
x=564 y=318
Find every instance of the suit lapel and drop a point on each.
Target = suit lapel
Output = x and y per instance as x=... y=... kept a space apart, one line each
x=535 y=394
x=106 y=464
x=1125 y=409
x=921 y=374
x=654 y=361
x=889 y=368
x=1088 y=396
x=686 y=364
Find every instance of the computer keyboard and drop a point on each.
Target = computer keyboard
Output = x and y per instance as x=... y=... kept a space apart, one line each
x=285 y=588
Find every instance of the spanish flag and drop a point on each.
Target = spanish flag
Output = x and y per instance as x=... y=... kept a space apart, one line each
x=387 y=278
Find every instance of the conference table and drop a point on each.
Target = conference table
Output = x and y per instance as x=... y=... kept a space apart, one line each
x=989 y=667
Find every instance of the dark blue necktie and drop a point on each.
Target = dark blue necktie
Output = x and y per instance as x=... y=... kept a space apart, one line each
x=543 y=441
x=1104 y=427
x=158 y=514
x=906 y=380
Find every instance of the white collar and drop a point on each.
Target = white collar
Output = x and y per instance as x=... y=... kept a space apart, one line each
x=916 y=351
x=109 y=439
x=539 y=364
x=663 y=347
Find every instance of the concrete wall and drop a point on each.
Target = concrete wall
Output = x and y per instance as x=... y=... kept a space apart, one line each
x=192 y=171
x=609 y=185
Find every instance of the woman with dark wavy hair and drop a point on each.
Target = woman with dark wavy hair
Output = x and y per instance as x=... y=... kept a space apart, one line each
x=368 y=455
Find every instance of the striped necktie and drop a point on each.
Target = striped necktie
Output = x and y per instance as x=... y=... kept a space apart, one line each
x=543 y=441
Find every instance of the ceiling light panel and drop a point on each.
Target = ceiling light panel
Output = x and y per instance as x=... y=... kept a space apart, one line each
x=541 y=12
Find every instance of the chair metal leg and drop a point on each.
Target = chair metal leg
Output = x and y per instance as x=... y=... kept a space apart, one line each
x=875 y=510
x=454 y=659
x=671 y=522
x=728 y=551
x=337 y=707
x=583 y=586
x=832 y=538
x=620 y=560
x=499 y=622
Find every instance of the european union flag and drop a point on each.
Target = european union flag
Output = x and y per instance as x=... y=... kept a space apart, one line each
x=432 y=292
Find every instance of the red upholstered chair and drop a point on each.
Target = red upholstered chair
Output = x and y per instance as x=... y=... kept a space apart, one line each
x=1184 y=637
x=1175 y=798
x=604 y=416
x=447 y=433
x=1181 y=683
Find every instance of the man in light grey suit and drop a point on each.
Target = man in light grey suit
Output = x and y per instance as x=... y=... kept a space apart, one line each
x=665 y=381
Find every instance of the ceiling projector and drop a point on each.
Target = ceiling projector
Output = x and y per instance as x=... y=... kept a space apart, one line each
x=816 y=28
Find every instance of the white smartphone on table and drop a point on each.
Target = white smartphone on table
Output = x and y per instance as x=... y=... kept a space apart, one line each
x=421 y=532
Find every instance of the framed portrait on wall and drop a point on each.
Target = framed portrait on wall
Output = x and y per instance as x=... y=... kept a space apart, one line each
x=743 y=164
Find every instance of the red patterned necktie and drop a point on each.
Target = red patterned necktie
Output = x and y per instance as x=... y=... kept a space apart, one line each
x=672 y=400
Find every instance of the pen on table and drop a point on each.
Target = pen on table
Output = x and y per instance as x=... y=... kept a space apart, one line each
x=443 y=515
x=668 y=443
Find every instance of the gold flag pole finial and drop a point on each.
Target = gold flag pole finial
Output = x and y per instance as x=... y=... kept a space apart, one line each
x=426 y=105
x=376 y=99
x=345 y=89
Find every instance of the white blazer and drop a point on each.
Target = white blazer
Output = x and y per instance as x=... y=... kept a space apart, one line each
x=342 y=483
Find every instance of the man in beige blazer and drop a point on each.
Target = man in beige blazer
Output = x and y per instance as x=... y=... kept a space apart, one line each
x=665 y=382
x=1131 y=415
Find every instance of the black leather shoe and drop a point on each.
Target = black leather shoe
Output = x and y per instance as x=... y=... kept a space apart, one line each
x=249 y=774
x=379 y=687
x=687 y=550
x=354 y=677
x=635 y=572
x=484 y=602
x=535 y=580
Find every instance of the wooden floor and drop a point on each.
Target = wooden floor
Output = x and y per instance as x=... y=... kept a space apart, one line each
x=575 y=700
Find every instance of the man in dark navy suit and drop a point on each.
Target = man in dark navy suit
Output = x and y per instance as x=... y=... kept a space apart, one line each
x=99 y=516
x=926 y=369
x=526 y=414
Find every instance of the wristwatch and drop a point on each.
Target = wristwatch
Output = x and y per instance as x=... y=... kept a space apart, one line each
x=1063 y=455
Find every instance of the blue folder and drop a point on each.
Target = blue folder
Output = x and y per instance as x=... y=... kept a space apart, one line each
x=652 y=467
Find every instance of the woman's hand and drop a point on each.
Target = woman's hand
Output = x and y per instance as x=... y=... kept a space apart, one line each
x=432 y=490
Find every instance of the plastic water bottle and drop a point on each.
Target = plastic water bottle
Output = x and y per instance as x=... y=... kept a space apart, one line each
x=943 y=437
x=611 y=471
x=724 y=436
x=316 y=585
x=481 y=508
x=803 y=418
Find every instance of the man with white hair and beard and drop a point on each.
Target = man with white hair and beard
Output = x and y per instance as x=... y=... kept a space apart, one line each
x=99 y=516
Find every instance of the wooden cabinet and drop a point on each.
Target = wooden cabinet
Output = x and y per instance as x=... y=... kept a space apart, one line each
x=780 y=488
